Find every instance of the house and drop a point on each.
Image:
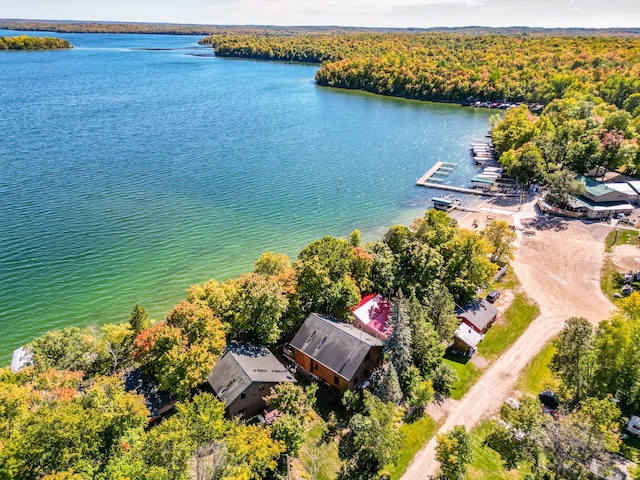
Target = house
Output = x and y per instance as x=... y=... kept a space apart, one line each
x=372 y=316
x=599 y=192
x=243 y=375
x=601 y=209
x=466 y=339
x=630 y=195
x=158 y=402
x=479 y=315
x=338 y=353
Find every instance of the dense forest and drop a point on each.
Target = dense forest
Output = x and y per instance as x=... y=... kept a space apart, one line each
x=24 y=42
x=68 y=416
x=456 y=67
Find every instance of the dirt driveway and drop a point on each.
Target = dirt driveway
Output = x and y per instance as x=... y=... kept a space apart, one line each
x=558 y=263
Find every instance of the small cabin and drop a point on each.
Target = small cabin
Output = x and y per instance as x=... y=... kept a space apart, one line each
x=372 y=316
x=479 y=315
x=243 y=375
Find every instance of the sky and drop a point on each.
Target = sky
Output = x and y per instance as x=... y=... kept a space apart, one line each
x=363 y=13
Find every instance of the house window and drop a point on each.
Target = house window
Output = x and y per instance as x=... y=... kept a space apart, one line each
x=336 y=380
x=315 y=365
x=243 y=395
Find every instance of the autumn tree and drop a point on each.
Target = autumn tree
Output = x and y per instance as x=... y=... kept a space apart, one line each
x=616 y=355
x=469 y=267
x=575 y=441
x=519 y=437
x=292 y=399
x=382 y=266
x=78 y=433
x=69 y=349
x=182 y=351
x=501 y=239
x=374 y=439
x=563 y=185
x=453 y=451
x=330 y=275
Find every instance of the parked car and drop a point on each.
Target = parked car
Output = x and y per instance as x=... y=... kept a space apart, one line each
x=633 y=426
x=493 y=295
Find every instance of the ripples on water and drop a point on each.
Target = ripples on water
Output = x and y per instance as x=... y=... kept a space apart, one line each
x=129 y=171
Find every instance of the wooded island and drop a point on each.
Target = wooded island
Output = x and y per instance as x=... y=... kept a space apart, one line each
x=25 y=42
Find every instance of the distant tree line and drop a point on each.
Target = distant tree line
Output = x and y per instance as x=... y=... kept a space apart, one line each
x=455 y=67
x=24 y=42
x=200 y=29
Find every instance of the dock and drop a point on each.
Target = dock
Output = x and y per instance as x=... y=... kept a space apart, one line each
x=473 y=191
x=437 y=173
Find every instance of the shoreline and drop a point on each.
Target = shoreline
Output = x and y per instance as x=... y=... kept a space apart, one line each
x=489 y=209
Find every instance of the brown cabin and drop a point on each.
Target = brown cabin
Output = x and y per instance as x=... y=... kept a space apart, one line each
x=245 y=374
x=338 y=353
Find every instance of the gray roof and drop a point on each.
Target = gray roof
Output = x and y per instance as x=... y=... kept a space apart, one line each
x=339 y=346
x=154 y=399
x=243 y=364
x=479 y=313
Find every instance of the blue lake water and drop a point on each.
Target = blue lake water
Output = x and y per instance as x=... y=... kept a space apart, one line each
x=128 y=174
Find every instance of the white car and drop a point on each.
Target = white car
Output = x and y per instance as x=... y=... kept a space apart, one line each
x=633 y=426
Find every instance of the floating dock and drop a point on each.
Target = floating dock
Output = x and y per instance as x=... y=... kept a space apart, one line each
x=437 y=173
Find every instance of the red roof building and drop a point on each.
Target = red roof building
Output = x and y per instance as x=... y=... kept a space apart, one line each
x=372 y=316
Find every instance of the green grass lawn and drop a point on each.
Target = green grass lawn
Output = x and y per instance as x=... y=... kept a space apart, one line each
x=537 y=376
x=487 y=464
x=416 y=435
x=468 y=373
x=610 y=279
x=517 y=318
x=621 y=237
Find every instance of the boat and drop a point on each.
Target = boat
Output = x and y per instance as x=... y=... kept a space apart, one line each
x=445 y=203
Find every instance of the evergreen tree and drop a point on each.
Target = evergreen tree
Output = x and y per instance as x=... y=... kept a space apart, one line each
x=399 y=342
x=139 y=319
x=388 y=387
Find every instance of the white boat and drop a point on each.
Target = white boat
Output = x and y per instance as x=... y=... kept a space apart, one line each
x=445 y=203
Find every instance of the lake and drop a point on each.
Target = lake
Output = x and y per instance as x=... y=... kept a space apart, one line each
x=133 y=166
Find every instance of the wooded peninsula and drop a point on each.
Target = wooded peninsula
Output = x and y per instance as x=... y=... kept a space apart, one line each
x=24 y=42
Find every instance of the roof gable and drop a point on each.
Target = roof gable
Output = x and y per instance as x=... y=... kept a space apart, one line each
x=154 y=399
x=468 y=335
x=243 y=364
x=479 y=314
x=338 y=346
x=374 y=311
